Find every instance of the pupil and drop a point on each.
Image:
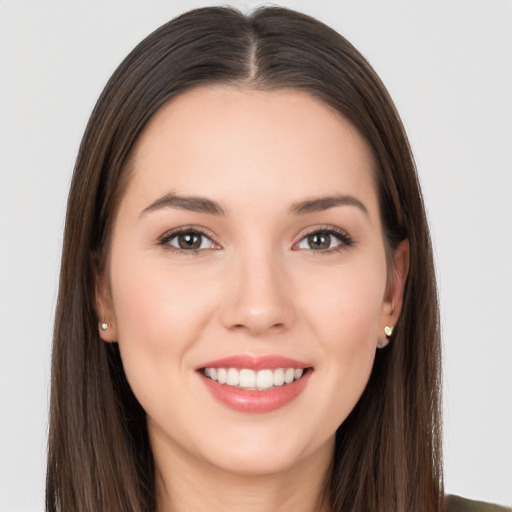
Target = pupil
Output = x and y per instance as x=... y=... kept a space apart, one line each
x=189 y=241
x=319 y=241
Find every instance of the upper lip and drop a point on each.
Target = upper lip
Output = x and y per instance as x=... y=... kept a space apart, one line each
x=270 y=361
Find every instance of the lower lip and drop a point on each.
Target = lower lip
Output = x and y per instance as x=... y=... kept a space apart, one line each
x=256 y=401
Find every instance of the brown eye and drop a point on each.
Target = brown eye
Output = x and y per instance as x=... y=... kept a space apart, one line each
x=319 y=241
x=325 y=240
x=189 y=241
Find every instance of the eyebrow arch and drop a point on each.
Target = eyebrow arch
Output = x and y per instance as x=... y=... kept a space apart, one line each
x=191 y=203
x=319 y=204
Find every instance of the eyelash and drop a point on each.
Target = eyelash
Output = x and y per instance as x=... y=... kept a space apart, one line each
x=346 y=241
x=186 y=230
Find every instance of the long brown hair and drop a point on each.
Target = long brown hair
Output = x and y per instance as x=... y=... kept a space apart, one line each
x=388 y=451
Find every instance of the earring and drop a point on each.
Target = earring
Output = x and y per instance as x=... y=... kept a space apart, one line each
x=388 y=331
x=103 y=326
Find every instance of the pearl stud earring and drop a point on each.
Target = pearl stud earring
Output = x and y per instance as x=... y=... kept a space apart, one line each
x=388 y=331
x=103 y=326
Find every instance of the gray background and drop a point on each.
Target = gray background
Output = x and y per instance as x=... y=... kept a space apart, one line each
x=447 y=64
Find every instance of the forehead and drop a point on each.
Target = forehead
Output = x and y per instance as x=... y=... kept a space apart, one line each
x=232 y=142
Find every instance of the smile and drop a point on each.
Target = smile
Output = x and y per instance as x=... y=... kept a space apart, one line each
x=253 y=380
x=258 y=384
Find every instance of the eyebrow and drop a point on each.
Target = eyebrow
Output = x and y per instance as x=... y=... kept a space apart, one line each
x=203 y=205
x=191 y=203
x=319 y=204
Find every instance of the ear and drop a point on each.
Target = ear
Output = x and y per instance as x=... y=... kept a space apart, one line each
x=394 y=295
x=103 y=306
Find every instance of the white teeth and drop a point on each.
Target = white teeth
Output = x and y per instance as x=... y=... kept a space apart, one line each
x=278 y=377
x=264 y=379
x=247 y=378
x=222 y=375
x=233 y=377
x=251 y=379
x=289 y=375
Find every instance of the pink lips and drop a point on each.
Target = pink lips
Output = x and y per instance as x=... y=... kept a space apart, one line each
x=255 y=401
x=255 y=362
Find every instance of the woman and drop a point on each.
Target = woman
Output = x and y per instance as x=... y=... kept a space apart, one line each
x=247 y=314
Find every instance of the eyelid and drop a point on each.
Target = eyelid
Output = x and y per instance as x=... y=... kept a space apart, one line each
x=164 y=239
x=345 y=239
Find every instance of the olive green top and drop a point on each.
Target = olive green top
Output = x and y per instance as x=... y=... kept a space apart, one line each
x=458 y=504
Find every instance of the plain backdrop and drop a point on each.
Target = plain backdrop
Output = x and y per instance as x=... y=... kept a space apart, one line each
x=448 y=66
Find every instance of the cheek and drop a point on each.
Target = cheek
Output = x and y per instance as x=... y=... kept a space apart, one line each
x=155 y=303
x=344 y=312
x=159 y=314
x=346 y=305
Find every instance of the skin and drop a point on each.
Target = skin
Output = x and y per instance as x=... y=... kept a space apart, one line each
x=256 y=287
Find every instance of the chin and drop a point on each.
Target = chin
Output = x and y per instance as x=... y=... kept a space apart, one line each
x=257 y=464
x=267 y=454
x=251 y=467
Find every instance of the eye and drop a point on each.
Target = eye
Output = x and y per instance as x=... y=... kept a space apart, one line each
x=187 y=240
x=325 y=240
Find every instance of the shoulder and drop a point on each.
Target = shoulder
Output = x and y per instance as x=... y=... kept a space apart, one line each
x=458 y=504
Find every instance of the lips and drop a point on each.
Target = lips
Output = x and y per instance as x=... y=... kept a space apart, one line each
x=255 y=384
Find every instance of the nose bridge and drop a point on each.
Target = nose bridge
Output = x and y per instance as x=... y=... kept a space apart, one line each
x=257 y=296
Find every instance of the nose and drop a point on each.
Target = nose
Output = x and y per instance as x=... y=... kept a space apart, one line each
x=258 y=297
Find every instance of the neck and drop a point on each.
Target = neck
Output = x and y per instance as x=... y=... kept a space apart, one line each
x=184 y=483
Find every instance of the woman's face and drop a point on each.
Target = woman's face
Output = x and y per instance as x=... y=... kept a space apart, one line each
x=248 y=250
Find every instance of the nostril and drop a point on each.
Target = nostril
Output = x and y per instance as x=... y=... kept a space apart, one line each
x=256 y=327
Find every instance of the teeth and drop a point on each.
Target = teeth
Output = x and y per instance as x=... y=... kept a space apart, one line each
x=278 y=377
x=254 y=380
x=289 y=375
x=247 y=378
x=264 y=379
x=222 y=375
x=233 y=377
